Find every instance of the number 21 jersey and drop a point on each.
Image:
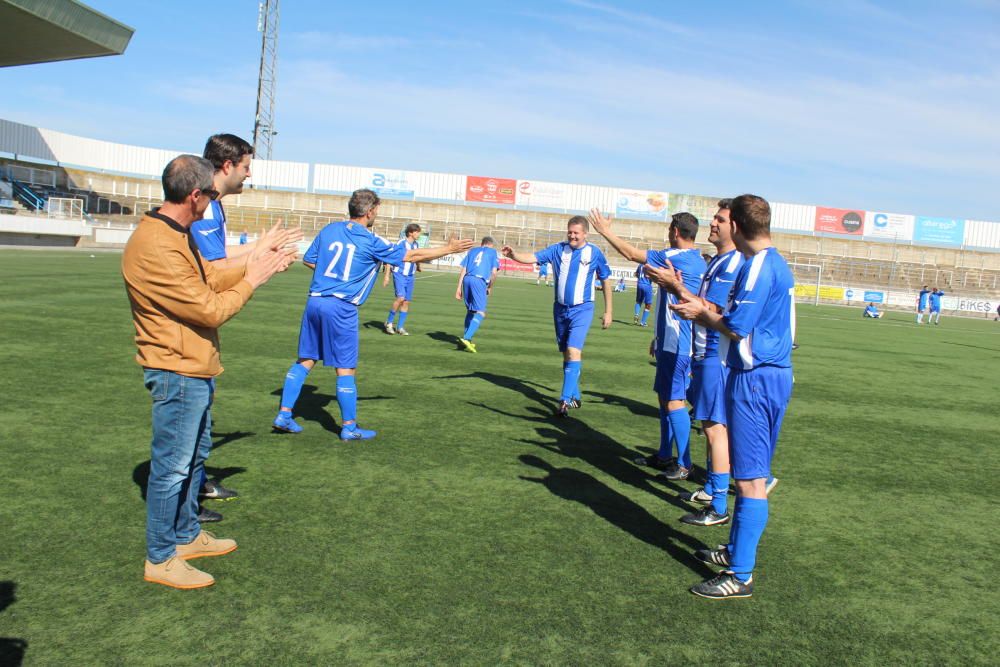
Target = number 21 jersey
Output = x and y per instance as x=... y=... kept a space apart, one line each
x=347 y=258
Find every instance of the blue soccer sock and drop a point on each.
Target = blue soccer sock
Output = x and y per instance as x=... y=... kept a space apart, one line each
x=638 y=306
x=680 y=423
x=708 y=470
x=473 y=326
x=392 y=316
x=720 y=489
x=666 y=448
x=468 y=318
x=645 y=316
x=752 y=519
x=347 y=399
x=402 y=318
x=571 y=378
x=294 y=378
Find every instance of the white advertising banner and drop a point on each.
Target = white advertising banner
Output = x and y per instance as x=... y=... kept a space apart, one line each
x=883 y=225
x=541 y=194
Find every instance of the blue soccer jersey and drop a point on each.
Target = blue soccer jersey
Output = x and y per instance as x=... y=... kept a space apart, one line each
x=480 y=262
x=762 y=311
x=575 y=269
x=673 y=334
x=922 y=303
x=641 y=279
x=407 y=268
x=715 y=288
x=209 y=233
x=936 y=300
x=347 y=258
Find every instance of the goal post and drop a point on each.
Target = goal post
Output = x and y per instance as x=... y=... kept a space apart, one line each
x=808 y=278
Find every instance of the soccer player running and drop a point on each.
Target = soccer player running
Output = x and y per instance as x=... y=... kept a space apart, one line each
x=672 y=344
x=708 y=376
x=922 y=304
x=757 y=328
x=935 y=299
x=575 y=262
x=403 y=278
x=345 y=258
x=230 y=157
x=475 y=284
x=643 y=297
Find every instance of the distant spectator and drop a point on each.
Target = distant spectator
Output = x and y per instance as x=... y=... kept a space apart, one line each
x=243 y=238
x=872 y=312
x=620 y=285
x=998 y=313
x=935 y=313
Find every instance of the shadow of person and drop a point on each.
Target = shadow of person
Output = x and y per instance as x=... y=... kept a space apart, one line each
x=444 y=337
x=526 y=388
x=374 y=324
x=635 y=407
x=140 y=475
x=12 y=650
x=314 y=405
x=617 y=509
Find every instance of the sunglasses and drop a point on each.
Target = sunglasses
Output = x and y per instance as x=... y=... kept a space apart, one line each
x=211 y=193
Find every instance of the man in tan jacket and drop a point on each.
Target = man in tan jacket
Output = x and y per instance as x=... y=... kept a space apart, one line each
x=178 y=302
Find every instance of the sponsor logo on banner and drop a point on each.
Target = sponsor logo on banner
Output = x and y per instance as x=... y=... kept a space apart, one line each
x=642 y=204
x=833 y=293
x=889 y=226
x=877 y=297
x=511 y=265
x=950 y=231
x=703 y=208
x=977 y=305
x=392 y=184
x=541 y=194
x=490 y=190
x=622 y=272
x=839 y=221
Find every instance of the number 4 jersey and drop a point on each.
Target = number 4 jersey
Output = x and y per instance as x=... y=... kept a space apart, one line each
x=347 y=258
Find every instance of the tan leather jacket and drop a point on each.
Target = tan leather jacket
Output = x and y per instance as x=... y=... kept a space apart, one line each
x=178 y=299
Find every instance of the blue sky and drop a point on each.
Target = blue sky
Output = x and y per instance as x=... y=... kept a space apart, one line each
x=888 y=106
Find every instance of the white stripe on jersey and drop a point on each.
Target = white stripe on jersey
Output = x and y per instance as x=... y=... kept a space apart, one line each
x=746 y=351
x=582 y=271
x=364 y=290
x=563 y=272
x=755 y=266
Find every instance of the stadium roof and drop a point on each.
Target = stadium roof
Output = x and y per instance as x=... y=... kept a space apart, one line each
x=39 y=31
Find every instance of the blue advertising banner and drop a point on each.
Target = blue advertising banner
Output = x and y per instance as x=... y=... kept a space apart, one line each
x=950 y=231
x=877 y=297
x=392 y=184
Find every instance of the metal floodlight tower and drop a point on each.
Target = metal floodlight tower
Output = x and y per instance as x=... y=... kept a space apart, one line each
x=263 y=125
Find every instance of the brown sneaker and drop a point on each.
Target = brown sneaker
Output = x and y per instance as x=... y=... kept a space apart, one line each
x=206 y=544
x=177 y=574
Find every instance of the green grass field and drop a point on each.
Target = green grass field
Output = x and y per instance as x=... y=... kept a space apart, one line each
x=477 y=529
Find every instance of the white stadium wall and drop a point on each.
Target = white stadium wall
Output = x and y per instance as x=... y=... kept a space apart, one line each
x=39 y=145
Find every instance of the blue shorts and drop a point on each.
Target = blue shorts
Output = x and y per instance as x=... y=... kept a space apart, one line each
x=329 y=332
x=671 y=376
x=474 y=290
x=543 y=271
x=935 y=309
x=707 y=393
x=755 y=405
x=403 y=285
x=572 y=324
x=644 y=294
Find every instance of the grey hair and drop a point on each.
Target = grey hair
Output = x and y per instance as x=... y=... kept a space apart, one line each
x=185 y=174
x=361 y=202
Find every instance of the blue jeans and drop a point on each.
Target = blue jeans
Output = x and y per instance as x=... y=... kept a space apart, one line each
x=182 y=438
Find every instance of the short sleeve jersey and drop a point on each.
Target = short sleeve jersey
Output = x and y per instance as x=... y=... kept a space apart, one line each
x=871 y=310
x=347 y=258
x=674 y=334
x=923 y=298
x=209 y=233
x=407 y=268
x=480 y=262
x=641 y=279
x=575 y=270
x=715 y=288
x=762 y=311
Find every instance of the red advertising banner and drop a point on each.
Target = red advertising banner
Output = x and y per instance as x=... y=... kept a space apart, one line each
x=840 y=221
x=511 y=265
x=491 y=190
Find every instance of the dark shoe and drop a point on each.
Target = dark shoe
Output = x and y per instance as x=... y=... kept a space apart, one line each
x=718 y=556
x=563 y=410
x=574 y=403
x=675 y=472
x=706 y=517
x=654 y=461
x=206 y=515
x=726 y=585
x=212 y=490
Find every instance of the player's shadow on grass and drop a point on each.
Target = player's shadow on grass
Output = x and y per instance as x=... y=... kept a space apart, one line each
x=12 y=650
x=313 y=406
x=140 y=475
x=635 y=407
x=616 y=509
x=445 y=337
x=526 y=388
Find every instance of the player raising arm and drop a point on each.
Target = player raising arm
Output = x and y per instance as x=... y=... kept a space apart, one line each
x=575 y=262
x=345 y=258
x=475 y=284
